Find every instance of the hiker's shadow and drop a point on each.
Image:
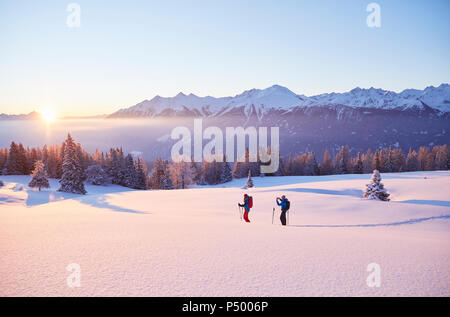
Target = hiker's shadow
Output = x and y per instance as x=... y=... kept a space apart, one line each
x=101 y=201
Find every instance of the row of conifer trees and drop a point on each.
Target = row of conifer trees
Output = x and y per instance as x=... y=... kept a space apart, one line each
x=73 y=165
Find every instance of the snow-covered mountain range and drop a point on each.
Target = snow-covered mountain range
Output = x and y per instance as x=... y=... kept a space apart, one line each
x=281 y=99
x=30 y=116
x=361 y=118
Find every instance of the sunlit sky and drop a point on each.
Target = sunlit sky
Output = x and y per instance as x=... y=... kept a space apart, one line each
x=128 y=51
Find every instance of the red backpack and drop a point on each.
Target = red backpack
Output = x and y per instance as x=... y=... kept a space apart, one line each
x=250 y=202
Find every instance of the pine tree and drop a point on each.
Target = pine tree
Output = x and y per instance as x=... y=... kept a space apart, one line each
x=367 y=162
x=242 y=166
x=157 y=179
x=32 y=157
x=24 y=168
x=3 y=158
x=13 y=164
x=196 y=168
x=375 y=190
x=398 y=160
x=39 y=177
x=311 y=167
x=59 y=158
x=116 y=166
x=377 y=160
x=358 y=167
x=441 y=158
x=72 y=175
x=130 y=173
x=388 y=164
x=342 y=161
x=212 y=172
x=430 y=162
x=326 y=168
x=226 y=173
x=142 y=180
x=45 y=157
x=412 y=163
x=249 y=183
x=422 y=156
x=166 y=180
x=95 y=175
x=181 y=174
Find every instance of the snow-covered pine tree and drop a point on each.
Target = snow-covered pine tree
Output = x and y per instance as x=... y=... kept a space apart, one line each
x=115 y=168
x=39 y=176
x=375 y=190
x=95 y=175
x=249 y=183
x=59 y=158
x=32 y=157
x=166 y=179
x=226 y=173
x=159 y=170
x=72 y=175
x=13 y=165
x=23 y=160
x=141 y=174
x=130 y=173
x=45 y=157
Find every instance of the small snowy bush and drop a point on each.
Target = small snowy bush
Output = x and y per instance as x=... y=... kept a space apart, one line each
x=95 y=175
x=1 y=183
x=375 y=190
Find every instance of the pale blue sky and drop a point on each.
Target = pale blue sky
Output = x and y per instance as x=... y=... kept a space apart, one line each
x=127 y=51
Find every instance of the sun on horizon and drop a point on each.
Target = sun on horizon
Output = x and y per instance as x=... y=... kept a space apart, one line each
x=48 y=115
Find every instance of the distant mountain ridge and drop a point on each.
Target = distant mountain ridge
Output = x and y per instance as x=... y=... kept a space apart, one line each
x=281 y=99
x=30 y=116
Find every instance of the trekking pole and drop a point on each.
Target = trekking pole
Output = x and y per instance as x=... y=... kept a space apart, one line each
x=287 y=217
x=273 y=213
x=240 y=213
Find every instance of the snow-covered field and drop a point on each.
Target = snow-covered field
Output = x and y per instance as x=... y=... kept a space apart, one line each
x=192 y=242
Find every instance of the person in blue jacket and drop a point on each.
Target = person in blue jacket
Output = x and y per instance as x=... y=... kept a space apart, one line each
x=283 y=202
x=246 y=206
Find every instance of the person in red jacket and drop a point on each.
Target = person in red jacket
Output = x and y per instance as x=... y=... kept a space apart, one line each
x=246 y=206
